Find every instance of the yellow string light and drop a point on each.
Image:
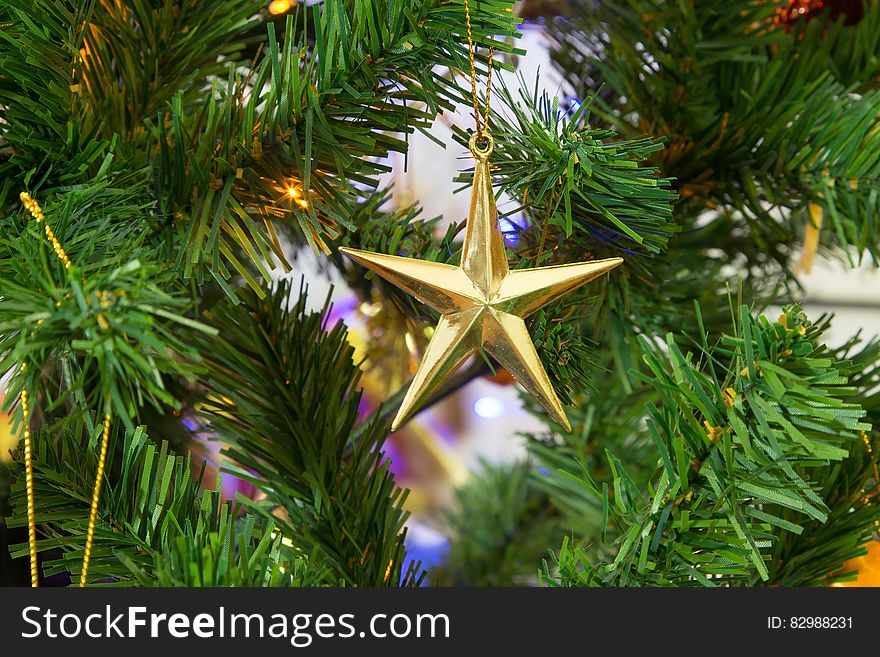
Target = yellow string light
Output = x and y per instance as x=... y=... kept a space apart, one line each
x=280 y=6
x=96 y=494
x=296 y=194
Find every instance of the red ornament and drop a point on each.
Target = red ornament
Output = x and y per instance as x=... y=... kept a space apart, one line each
x=502 y=377
x=793 y=10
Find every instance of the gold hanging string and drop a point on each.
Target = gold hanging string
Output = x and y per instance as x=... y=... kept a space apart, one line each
x=36 y=212
x=96 y=494
x=482 y=127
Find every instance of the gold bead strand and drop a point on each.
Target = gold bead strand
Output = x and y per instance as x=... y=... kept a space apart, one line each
x=29 y=486
x=96 y=494
x=36 y=212
x=33 y=208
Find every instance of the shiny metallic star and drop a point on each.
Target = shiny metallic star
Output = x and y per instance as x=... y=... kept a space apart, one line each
x=481 y=301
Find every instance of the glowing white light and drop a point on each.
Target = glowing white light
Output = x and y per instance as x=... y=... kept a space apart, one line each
x=489 y=408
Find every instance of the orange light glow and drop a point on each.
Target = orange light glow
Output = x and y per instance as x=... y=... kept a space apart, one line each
x=280 y=6
x=296 y=194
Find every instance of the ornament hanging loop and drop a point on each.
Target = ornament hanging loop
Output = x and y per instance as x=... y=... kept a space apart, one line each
x=481 y=145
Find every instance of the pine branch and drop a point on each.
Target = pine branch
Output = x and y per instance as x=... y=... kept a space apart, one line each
x=79 y=74
x=499 y=530
x=283 y=396
x=817 y=556
x=583 y=188
x=236 y=151
x=305 y=131
x=156 y=527
x=135 y=57
x=748 y=436
x=97 y=336
x=758 y=118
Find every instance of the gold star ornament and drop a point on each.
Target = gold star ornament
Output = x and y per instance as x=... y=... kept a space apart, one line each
x=482 y=303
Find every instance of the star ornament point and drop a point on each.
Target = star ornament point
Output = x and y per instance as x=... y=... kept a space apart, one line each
x=482 y=304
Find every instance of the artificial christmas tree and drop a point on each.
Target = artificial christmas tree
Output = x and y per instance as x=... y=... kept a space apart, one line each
x=181 y=150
